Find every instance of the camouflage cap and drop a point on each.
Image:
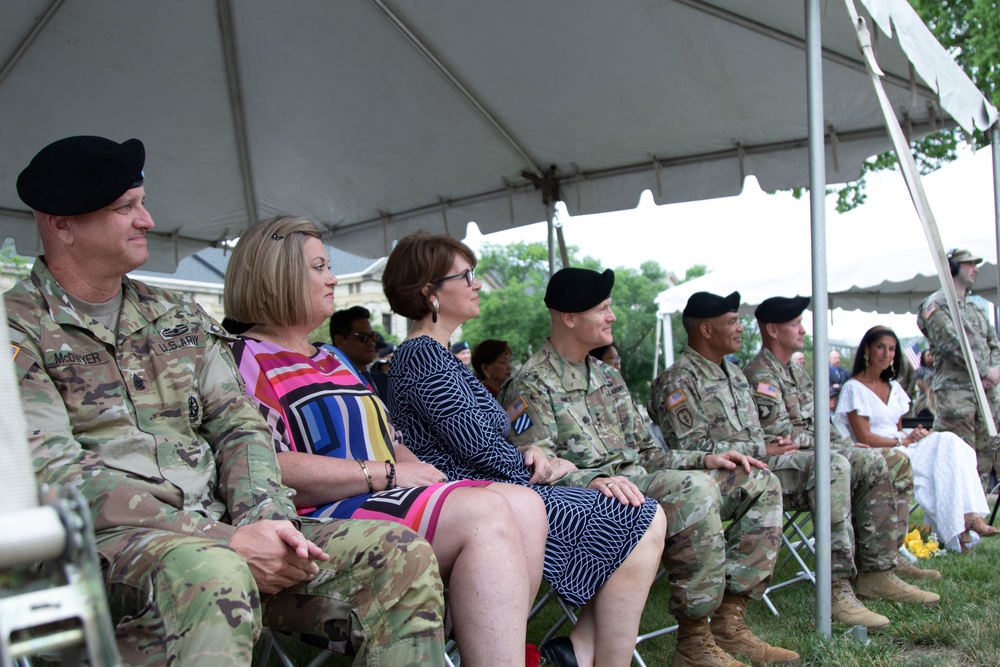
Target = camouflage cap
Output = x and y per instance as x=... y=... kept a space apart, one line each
x=77 y=175
x=963 y=256
x=574 y=290
x=778 y=309
x=703 y=305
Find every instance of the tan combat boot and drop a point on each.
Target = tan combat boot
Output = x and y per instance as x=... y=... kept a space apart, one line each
x=847 y=609
x=907 y=569
x=733 y=636
x=885 y=585
x=697 y=648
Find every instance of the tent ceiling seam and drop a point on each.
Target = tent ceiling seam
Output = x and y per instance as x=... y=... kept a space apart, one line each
x=639 y=167
x=797 y=42
x=236 y=101
x=29 y=39
x=490 y=118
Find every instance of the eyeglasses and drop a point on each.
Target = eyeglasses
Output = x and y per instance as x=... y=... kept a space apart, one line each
x=364 y=337
x=470 y=277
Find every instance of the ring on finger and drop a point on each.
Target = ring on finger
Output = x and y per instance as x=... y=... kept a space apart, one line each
x=610 y=484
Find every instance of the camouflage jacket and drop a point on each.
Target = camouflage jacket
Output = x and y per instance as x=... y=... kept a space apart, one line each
x=152 y=427
x=935 y=323
x=584 y=414
x=784 y=397
x=704 y=406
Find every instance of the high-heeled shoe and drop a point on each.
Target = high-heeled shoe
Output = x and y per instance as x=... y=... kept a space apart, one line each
x=559 y=652
x=984 y=529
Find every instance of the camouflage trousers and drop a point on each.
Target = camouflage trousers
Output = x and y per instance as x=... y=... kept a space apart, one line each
x=958 y=412
x=901 y=477
x=701 y=561
x=864 y=533
x=183 y=600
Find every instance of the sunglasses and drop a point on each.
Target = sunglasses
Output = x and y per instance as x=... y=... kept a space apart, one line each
x=363 y=336
x=470 y=277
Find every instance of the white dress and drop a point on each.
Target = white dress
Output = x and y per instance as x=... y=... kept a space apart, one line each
x=945 y=478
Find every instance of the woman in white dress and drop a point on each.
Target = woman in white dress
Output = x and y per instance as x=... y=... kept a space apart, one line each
x=945 y=481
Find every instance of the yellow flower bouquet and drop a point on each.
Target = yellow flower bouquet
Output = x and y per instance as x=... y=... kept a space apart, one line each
x=921 y=545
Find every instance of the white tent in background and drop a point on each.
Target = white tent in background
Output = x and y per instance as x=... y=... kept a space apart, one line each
x=877 y=258
x=377 y=118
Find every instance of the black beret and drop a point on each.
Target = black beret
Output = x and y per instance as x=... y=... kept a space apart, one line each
x=573 y=290
x=779 y=309
x=459 y=346
x=703 y=305
x=79 y=175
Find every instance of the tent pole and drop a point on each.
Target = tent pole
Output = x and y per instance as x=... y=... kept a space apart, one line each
x=551 y=234
x=995 y=144
x=668 y=341
x=821 y=372
x=656 y=347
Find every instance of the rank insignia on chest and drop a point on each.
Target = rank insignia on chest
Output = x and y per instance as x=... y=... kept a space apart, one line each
x=765 y=389
x=675 y=399
x=518 y=413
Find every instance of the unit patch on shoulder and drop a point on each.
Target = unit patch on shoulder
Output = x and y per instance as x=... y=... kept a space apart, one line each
x=765 y=389
x=675 y=399
x=517 y=411
x=764 y=411
x=684 y=417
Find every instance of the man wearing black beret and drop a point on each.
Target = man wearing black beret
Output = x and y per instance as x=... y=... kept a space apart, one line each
x=783 y=393
x=705 y=402
x=578 y=411
x=131 y=396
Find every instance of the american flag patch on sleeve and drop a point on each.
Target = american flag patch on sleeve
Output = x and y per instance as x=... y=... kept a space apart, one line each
x=765 y=389
x=518 y=413
x=675 y=399
x=14 y=349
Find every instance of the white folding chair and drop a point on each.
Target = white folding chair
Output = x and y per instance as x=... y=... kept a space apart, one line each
x=799 y=546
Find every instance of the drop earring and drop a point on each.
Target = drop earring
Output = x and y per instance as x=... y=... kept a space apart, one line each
x=436 y=305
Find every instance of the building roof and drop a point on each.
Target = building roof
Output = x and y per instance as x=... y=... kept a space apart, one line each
x=209 y=265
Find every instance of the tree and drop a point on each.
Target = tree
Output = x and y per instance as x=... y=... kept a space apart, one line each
x=970 y=31
x=634 y=303
x=516 y=311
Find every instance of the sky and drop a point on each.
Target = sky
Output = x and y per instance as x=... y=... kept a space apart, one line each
x=738 y=227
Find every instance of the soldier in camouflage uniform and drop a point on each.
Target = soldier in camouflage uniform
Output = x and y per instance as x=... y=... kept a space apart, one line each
x=783 y=393
x=703 y=402
x=579 y=412
x=957 y=407
x=131 y=396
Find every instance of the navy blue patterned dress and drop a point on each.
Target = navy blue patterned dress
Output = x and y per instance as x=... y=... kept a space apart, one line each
x=449 y=419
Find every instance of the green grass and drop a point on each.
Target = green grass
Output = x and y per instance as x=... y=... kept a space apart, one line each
x=964 y=631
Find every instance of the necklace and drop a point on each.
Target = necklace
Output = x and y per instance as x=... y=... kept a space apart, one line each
x=279 y=336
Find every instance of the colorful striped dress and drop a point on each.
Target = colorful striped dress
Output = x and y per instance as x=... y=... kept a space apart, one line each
x=319 y=406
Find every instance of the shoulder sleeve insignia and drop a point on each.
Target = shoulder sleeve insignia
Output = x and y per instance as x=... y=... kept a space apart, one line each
x=675 y=399
x=765 y=389
x=520 y=421
x=929 y=310
x=684 y=417
x=764 y=411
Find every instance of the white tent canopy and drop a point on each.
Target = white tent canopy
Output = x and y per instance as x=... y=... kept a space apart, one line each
x=877 y=257
x=378 y=118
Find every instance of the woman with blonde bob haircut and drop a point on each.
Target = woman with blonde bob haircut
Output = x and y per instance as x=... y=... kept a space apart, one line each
x=339 y=451
x=601 y=554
